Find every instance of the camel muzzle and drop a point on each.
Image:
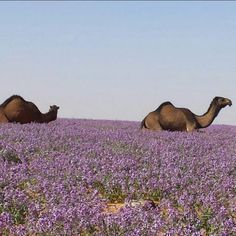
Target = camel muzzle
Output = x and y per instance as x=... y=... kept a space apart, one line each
x=230 y=103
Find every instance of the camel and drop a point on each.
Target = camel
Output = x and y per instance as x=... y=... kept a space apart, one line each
x=169 y=117
x=16 y=109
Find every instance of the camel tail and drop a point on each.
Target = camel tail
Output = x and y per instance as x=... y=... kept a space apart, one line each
x=143 y=125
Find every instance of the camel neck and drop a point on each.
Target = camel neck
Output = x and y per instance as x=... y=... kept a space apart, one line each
x=49 y=116
x=206 y=119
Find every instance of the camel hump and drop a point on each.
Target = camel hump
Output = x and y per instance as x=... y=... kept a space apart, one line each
x=10 y=99
x=163 y=105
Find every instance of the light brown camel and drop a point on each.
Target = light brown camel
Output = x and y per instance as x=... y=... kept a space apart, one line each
x=169 y=117
x=16 y=109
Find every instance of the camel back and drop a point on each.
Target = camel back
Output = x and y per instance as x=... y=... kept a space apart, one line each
x=10 y=99
x=162 y=105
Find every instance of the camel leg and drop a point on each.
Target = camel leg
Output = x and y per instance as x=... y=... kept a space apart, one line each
x=190 y=127
x=154 y=124
x=199 y=131
x=157 y=127
x=3 y=118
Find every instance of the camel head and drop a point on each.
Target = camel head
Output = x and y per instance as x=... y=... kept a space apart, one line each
x=222 y=102
x=54 y=108
x=52 y=113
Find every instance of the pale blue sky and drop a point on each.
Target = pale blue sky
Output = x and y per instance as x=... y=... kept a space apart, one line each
x=119 y=60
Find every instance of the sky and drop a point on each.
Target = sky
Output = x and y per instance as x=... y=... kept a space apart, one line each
x=119 y=60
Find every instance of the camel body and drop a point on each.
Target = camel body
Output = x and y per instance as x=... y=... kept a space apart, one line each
x=16 y=109
x=169 y=117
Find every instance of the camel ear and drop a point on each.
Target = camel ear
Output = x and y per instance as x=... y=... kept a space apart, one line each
x=50 y=107
x=58 y=107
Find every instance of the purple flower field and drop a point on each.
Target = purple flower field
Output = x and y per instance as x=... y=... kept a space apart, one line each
x=61 y=179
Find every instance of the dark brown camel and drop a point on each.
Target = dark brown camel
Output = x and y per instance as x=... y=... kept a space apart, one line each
x=16 y=109
x=169 y=117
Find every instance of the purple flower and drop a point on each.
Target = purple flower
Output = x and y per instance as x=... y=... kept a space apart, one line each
x=71 y=170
